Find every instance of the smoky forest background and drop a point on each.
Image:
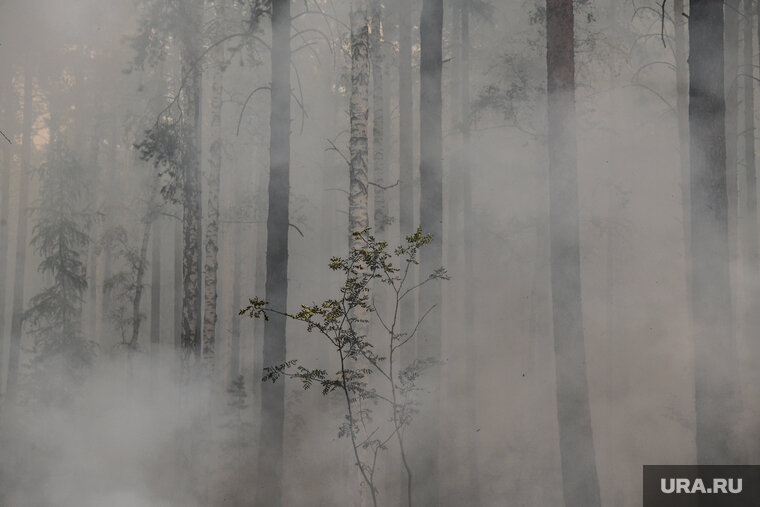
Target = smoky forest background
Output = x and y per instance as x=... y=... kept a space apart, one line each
x=375 y=252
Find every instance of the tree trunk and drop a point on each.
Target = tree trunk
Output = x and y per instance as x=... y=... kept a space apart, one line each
x=236 y=304
x=139 y=286
x=426 y=489
x=406 y=219
x=259 y=282
x=270 y=464
x=191 y=191
x=18 y=280
x=715 y=360
x=177 y=284
x=358 y=211
x=751 y=240
x=92 y=256
x=379 y=167
x=579 y=477
x=731 y=41
x=212 y=227
x=682 y=109
x=155 y=289
x=405 y=109
x=751 y=271
x=471 y=361
x=9 y=116
x=731 y=69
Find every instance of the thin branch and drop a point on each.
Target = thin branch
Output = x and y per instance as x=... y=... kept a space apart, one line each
x=333 y=147
x=414 y=331
x=658 y=62
x=386 y=187
x=303 y=13
x=170 y=215
x=200 y=57
x=339 y=190
x=307 y=45
x=242 y=110
x=242 y=221
x=417 y=286
x=651 y=90
x=300 y=92
x=294 y=226
x=317 y=30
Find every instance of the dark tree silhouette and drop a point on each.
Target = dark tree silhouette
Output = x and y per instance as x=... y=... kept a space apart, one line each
x=579 y=478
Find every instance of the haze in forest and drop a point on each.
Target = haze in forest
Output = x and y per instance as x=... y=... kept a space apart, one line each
x=178 y=174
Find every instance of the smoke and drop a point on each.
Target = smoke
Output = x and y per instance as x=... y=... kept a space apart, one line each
x=128 y=435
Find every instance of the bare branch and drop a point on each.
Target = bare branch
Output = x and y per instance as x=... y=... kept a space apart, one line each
x=333 y=147
x=383 y=187
x=414 y=331
x=338 y=189
x=294 y=226
x=242 y=110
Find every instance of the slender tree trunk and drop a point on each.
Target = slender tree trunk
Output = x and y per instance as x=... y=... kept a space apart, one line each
x=105 y=300
x=752 y=252
x=9 y=116
x=177 y=284
x=259 y=282
x=426 y=489
x=579 y=477
x=111 y=168
x=731 y=55
x=682 y=108
x=236 y=304
x=142 y=262
x=731 y=41
x=379 y=166
x=471 y=361
x=191 y=191
x=212 y=227
x=407 y=224
x=155 y=289
x=92 y=257
x=18 y=280
x=406 y=136
x=751 y=271
x=715 y=360
x=270 y=465
x=358 y=211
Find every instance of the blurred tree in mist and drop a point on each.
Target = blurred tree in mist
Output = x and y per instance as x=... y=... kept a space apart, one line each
x=270 y=457
x=60 y=237
x=430 y=340
x=17 y=309
x=579 y=475
x=715 y=355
